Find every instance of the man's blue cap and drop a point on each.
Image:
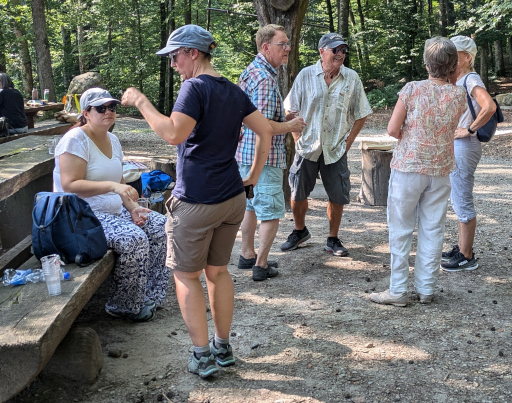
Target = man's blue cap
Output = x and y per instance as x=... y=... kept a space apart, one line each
x=331 y=41
x=188 y=36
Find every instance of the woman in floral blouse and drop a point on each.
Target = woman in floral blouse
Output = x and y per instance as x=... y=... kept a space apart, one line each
x=424 y=122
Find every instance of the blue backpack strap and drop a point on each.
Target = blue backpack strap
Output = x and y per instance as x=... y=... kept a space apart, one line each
x=470 y=103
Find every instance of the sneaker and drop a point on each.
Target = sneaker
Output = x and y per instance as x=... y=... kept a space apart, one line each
x=260 y=273
x=295 y=239
x=223 y=355
x=447 y=256
x=146 y=314
x=459 y=263
x=422 y=298
x=204 y=366
x=247 y=264
x=386 y=298
x=335 y=247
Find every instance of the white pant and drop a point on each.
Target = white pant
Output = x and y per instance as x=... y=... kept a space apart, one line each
x=415 y=197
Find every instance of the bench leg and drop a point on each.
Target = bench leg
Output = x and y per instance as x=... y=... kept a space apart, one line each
x=78 y=357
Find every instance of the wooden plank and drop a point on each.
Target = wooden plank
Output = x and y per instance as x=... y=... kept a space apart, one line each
x=48 y=107
x=23 y=161
x=49 y=130
x=16 y=256
x=32 y=324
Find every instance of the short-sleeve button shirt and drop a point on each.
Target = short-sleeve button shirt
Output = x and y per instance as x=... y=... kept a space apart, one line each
x=329 y=111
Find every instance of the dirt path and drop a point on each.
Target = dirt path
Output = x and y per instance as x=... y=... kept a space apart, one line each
x=312 y=335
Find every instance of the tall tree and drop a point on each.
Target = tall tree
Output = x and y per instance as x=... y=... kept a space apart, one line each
x=188 y=12
x=290 y=14
x=499 y=60
x=67 y=57
x=164 y=61
x=443 y=17
x=343 y=17
x=80 y=37
x=363 y=37
x=171 y=5
x=44 y=59
x=330 y=15
x=484 y=65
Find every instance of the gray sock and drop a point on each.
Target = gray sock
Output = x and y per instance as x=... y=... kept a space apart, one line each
x=200 y=351
x=218 y=342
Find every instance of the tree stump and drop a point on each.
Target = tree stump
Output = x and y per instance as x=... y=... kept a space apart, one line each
x=165 y=165
x=78 y=357
x=375 y=173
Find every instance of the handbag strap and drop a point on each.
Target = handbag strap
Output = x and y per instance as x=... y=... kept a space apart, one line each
x=470 y=103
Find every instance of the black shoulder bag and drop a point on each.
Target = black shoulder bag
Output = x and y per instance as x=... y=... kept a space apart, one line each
x=485 y=133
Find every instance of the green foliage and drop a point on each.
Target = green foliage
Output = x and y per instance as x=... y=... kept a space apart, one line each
x=386 y=96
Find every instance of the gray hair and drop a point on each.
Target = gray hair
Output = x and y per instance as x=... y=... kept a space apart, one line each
x=6 y=81
x=266 y=33
x=440 y=57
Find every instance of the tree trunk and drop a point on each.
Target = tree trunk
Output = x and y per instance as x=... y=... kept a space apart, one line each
x=510 y=52
x=26 y=62
x=188 y=12
x=3 y=51
x=139 y=41
x=499 y=60
x=343 y=16
x=67 y=59
x=450 y=13
x=44 y=60
x=430 y=18
x=170 y=80
x=109 y=47
x=80 y=38
x=164 y=61
x=359 y=54
x=291 y=20
x=330 y=15
x=484 y=67
x=363 y=36
x=443 y=17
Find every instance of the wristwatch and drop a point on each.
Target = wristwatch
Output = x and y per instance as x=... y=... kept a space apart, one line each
x=471 y=131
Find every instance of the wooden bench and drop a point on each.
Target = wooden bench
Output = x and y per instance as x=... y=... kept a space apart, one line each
x=25 y=169
x=48 y=130
x=32 y=323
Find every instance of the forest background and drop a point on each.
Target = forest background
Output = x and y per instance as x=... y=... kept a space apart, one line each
x=45 y=43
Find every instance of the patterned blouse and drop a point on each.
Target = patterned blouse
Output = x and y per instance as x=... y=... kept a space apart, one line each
x=433 y=111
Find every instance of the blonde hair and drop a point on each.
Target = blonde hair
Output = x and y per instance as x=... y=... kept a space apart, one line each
x=440 y=57
x=266 y=33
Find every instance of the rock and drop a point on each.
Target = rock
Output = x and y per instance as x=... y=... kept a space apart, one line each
x=494 y=302
x=79 y=85
x=369 y=345
x=358 y=399
x=411 y=362
x=255 y=345
x=346 y=395
x=125 y=355
x=174 y=333
x=504 y=99
x=114 y=352
x=501 y=353
x=397 y=398
x=233 y=334
x=469 y=291
x=338 y=309
x=492 y=328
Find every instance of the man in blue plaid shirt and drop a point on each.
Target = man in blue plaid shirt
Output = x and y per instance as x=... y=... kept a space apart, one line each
x=259 y=81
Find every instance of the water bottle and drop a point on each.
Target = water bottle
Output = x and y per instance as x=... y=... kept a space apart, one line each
x=46 y=94
x=34 y=94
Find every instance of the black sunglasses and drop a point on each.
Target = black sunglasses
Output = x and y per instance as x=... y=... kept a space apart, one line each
x=103 y=108
x=343 y=50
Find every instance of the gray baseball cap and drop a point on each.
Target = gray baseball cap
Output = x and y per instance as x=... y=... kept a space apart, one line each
x=331 y=40
x=95 y=97
x=188 y=36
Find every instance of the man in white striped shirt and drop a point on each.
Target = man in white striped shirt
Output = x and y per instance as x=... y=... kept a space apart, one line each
x=330 y=98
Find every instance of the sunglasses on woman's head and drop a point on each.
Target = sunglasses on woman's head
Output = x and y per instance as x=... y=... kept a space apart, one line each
x=103 y=108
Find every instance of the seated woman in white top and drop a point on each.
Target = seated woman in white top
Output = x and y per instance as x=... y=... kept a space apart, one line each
x=88 y=162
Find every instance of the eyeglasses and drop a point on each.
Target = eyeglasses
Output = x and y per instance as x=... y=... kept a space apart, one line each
x=103 y=108
x=343 y=50
x=174 y=56
x=284 y=45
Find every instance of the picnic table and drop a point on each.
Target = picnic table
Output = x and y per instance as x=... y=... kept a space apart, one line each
x=31 y=111
x=25 y=169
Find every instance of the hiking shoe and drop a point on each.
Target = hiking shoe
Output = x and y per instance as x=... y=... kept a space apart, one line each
x=146 y=314
x=223 y=355
x=247 y=264
x=447 y=256
x=386 y=298
x=335 y=247
x=295 y=239
x=422 y=298
x=204 y=366
x=459 y=263
x=260 y=273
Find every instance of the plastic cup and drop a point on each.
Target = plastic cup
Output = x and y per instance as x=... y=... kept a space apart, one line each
x=143 y=202
x=52 y=144
x=51 y=270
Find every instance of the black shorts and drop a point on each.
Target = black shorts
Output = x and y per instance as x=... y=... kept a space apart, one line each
x=335 y=177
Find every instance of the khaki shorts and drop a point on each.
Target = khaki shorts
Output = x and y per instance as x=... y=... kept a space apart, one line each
x=202 y=234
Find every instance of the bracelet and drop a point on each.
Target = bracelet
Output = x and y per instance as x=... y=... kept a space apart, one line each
x=471 y=131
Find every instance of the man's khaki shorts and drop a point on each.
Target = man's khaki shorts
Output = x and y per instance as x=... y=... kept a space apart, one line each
x=202 y=234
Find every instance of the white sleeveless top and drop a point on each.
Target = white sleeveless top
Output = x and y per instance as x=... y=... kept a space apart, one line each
x=99 y=167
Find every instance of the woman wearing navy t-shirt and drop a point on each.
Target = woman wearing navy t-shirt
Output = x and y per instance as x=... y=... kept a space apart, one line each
x=208 y=202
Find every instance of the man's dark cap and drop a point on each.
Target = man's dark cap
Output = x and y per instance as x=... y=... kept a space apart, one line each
x=331 y=41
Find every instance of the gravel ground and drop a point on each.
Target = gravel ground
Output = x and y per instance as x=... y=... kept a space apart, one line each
x=311 y=334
